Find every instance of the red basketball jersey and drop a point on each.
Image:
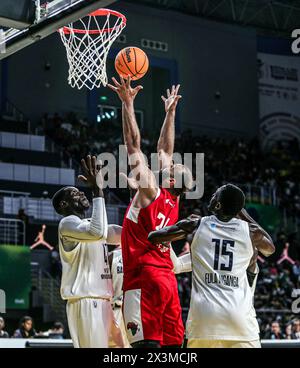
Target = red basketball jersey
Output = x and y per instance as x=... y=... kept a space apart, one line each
x=137 y=251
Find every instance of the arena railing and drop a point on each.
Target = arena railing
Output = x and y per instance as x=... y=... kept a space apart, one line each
x=38 y=208
x=48 y=289
x=12 y=232
x=42 y=209
x=11 y=112
x=36 y=174
x=21 y=141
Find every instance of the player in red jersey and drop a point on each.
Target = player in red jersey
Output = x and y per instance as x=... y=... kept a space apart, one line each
x=151 y=306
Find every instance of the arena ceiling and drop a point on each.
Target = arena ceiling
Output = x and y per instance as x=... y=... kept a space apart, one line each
x=269 y=17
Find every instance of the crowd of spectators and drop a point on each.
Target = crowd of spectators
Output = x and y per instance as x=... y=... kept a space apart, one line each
x=235 y=160
x=244 y=163
x=26 y=330
x=282 y=329
x=78 y=138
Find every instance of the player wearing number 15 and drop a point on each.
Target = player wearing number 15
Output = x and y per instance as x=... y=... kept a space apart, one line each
x=221 y=310
x=151 y=306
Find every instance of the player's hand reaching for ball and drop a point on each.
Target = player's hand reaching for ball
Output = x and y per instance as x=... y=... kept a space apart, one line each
x=126 y=93
x=92 y=175
x=172 y=99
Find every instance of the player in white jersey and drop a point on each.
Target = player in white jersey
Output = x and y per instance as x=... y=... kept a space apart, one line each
x=221 y=311
x=86 y=279
x=119 y=335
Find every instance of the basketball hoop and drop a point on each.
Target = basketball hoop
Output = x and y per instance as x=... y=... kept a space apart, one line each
x=87 y=43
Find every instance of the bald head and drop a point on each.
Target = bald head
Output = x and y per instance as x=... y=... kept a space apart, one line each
x=70 y=200
x=178 y=179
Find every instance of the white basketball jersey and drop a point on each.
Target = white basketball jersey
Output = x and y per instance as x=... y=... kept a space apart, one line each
x=117 y=276
x=85 y=270
x=221 y=306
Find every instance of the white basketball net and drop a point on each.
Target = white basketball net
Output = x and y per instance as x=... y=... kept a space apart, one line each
x=87 y=44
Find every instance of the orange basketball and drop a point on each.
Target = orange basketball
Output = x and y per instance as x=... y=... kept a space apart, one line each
x=132 y=61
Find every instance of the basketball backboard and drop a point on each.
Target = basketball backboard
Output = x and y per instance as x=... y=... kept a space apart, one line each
x=50 y=16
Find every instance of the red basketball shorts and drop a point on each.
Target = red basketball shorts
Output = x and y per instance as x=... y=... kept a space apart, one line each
x=153 y=311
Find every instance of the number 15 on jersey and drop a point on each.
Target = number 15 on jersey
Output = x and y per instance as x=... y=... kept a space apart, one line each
x=225 y=253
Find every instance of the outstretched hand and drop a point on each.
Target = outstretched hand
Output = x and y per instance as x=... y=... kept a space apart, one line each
x=124 y=90
x=92 y=175
x=172 y=99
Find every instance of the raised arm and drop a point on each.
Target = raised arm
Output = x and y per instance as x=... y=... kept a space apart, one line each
x=72 y=228
x=166 y=141
x=131 y=132
x=143 y=176
x=127 y=95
